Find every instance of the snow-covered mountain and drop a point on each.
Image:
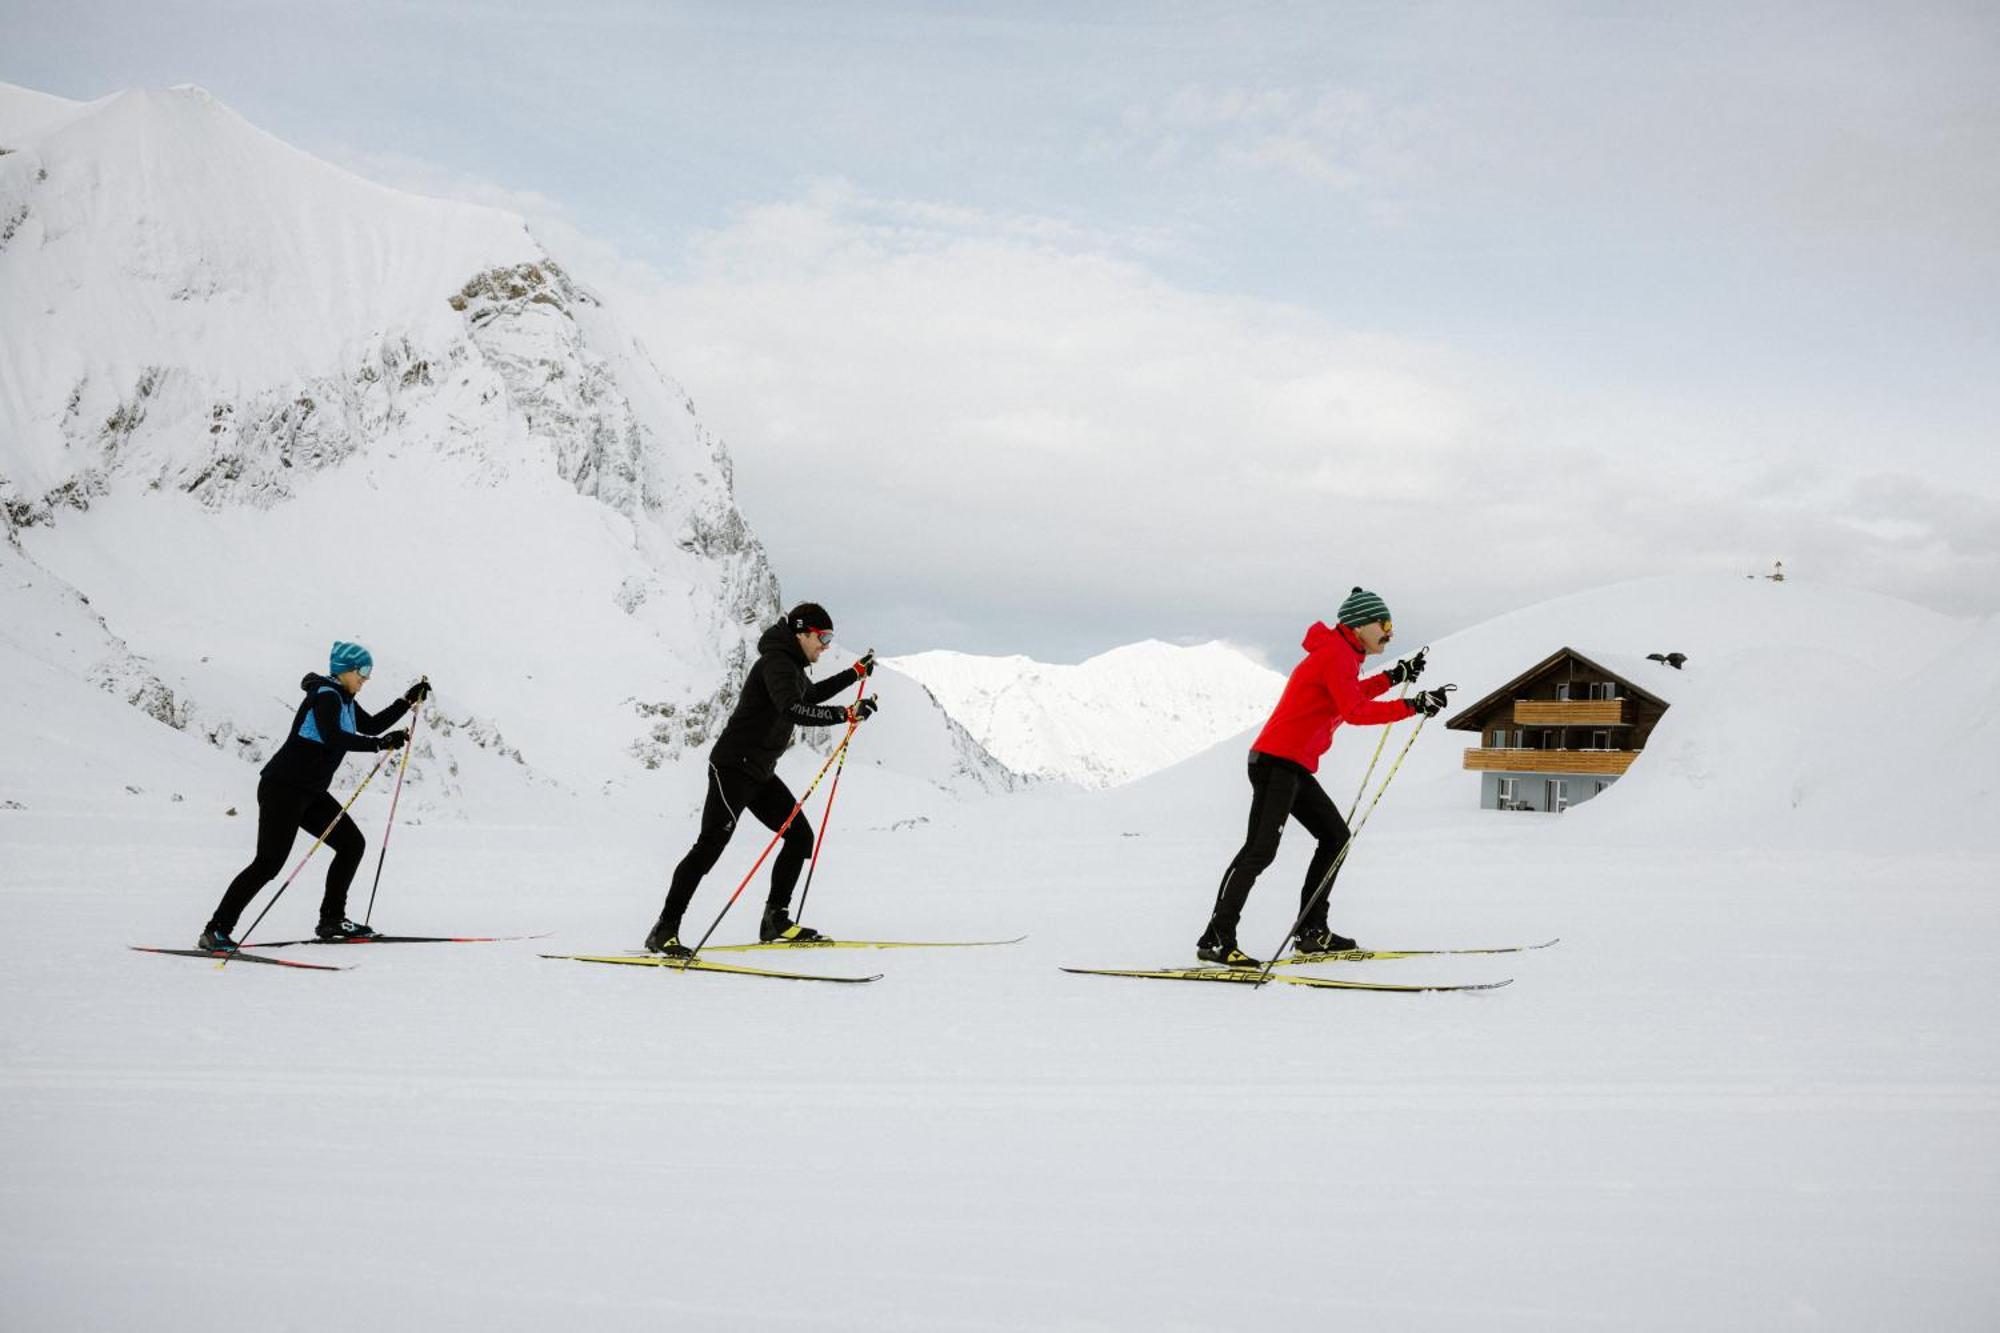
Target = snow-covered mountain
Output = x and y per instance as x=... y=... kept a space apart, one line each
x=1105 y=721
x=250 y=402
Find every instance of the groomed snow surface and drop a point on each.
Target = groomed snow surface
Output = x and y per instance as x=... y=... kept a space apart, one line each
x=1753 y=1088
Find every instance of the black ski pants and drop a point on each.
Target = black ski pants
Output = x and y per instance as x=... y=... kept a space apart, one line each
x=1279 y=790
x=730 y=793
x=282 y=811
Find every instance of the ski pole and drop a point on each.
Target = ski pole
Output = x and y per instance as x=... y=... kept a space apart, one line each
x=1326 y=880
x=317 y=842
x=775 y=839
x=409 y=747
x=1380 y=741
x=826 y=815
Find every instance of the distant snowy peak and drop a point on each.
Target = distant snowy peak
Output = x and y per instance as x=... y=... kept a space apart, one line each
x=1118 y=716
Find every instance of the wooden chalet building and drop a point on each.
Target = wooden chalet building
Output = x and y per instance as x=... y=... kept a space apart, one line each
x=1559 y=733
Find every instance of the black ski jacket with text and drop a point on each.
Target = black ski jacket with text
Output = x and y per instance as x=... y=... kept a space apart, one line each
x=328 y=724
x=777 y=696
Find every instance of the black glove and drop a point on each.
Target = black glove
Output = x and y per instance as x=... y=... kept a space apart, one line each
x=392 y=740
x=418 y=692
x=1431 y=702
x=864 y=664
x=1408 y=669
x=864 y=710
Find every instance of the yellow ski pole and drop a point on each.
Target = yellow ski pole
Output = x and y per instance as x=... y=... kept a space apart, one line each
x=334 y=823
x=1381 y=741
x=409 y=748
x=1326 y=880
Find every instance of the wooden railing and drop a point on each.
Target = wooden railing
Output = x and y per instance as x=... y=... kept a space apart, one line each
x=1572 y=712
x=1601 y=762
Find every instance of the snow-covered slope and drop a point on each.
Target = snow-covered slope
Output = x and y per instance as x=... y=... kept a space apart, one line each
x=1805 y=712
x=1767 y=1064
x=250 y=402
x=1116 y=717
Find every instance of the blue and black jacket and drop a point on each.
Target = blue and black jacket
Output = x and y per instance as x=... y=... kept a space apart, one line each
x=328 y=724
x=777 y=697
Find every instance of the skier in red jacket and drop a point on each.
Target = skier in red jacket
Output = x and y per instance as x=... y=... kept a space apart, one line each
x=1324 y=691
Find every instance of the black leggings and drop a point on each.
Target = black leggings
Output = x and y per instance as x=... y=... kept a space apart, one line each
x=283 y=810
x=1279 y=790
x=730 y=793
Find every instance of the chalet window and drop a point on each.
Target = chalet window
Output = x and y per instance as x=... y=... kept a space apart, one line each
x=1604 y=689
x=1562 y=691
x=1600 y=740
x=1520 y=740
x=1497 y=739
x=1558 y=794
x=1506 y=790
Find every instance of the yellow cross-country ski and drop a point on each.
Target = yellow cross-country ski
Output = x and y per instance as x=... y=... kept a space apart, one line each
x=860 y=944
x=1251 y=976
x=699 y=965
x=1364 y=955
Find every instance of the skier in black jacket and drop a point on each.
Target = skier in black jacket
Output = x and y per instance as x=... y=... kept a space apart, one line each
x=292 y=793
x=742 y=770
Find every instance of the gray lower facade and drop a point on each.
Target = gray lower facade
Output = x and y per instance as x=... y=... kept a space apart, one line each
x=1543 y=792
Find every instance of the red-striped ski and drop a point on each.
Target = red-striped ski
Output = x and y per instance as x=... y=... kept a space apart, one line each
x=403 y=939
x=238 y=956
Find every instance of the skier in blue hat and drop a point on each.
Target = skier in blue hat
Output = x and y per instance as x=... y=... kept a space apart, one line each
x=292 y=793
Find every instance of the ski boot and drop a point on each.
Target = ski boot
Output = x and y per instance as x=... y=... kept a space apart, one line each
x=665 y=939
x=1321 y=939
x=1223 y=951
x=343 y=930
x=216 y=941
x=781 y=929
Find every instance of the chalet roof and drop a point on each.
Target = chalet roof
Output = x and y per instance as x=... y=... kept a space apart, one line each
x=1464 y=718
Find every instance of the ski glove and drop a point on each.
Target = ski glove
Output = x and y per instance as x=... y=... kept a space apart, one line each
x=418 y=692
x=1407 y=670
x=864 y=710
x=392 y=740
x=1431 y=702
x=864 y=664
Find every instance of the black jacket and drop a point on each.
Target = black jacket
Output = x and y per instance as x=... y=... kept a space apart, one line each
x=776 y=697
x=328 y=724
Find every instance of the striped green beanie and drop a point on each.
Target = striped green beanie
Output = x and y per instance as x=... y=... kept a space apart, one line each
x=1363 y=608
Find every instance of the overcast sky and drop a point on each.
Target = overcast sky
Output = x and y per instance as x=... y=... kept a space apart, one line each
x=1093 y=322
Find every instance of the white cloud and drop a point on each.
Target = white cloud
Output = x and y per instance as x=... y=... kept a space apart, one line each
x=931 y=418
x=1002 y=431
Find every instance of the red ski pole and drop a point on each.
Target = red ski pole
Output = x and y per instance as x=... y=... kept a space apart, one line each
x=826 y=815
x=775 y=838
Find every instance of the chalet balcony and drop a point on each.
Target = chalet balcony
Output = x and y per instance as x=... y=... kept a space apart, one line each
x=1572 y=712
x=1601 y=763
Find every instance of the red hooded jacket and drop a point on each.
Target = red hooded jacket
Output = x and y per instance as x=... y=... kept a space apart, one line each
x=1325 y=690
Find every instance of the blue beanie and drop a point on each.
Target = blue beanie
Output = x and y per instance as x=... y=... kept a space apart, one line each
x=348 y=657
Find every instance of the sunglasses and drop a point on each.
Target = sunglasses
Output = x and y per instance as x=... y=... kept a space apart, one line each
x=825 y=636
